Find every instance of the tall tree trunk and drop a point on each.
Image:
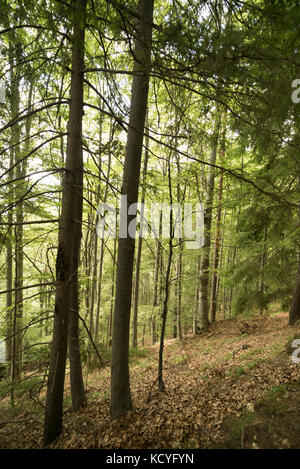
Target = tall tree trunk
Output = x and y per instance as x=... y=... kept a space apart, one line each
x=214 y=281
x=294 y=313
x=180 y=200
x=202 y=319
x=120 y=385
x=161 y=385
x=139 y=248
x=68 y=235
x=102 y=245
x=9 y=274
x=179 y=291
x=262 y=271
x=17 y=312
x=95 y=260
x=112 y=301
x=156 y=283
x=196 y=306
x=94 y=279
x=213 y=298
x=76 y=378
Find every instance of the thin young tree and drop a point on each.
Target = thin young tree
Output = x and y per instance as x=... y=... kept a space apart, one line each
x=161 y=384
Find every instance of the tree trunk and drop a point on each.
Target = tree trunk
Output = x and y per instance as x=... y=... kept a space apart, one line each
x=196 y=296
x=214 y=281
x=139 y=249
x=17 y=311
x=202 y=319
x=156 y=283
x=161 y=385
x=120 y=386
x=294 y=313
x=112 y=302
x=262 y=271
x=68 y=232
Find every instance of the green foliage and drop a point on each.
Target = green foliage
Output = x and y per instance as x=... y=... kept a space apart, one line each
x=237 y=372
x=272 y=405
x=135 y=354
x=26 y=387
x=234 y=426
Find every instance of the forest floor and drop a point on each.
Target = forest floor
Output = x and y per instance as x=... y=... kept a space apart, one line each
x=235 y=386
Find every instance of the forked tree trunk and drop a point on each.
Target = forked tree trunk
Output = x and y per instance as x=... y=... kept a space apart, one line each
x=68 y=235
x=120 y=386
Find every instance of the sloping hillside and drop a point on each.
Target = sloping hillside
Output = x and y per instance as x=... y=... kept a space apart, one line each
x=235 y=386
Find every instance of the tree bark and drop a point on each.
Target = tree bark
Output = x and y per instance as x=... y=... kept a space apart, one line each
x=17 y=311
x=68 y=232
x=156 y=283
x=202 y=319
x=294 y=313
x=120 y=385
x=161 y=385
x=216 y=258
x=139 y=251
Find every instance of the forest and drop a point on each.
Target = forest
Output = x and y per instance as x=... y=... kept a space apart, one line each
x=149 y=224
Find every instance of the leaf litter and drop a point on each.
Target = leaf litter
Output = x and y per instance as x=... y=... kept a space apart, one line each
x=215 y=397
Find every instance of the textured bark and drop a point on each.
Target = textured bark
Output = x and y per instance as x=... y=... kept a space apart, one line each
x=202 y=318
x=17 y=311
x=112 y=302
x=294 y=313
x=68 y=233
x=94 y=279
x=161 y=385
x=76 y=378
x=262 y=271
x=139 y=253
x=214 y=281
x=9 y=280
x=155 y=302
x=196 y=306
x=180 y=200
x=213 y=298
x=120 y=385
x=102 y=242
x=179 y=292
